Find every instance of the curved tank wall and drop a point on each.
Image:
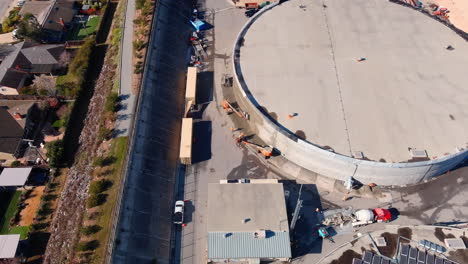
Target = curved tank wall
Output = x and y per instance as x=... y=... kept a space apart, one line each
x=316 y=159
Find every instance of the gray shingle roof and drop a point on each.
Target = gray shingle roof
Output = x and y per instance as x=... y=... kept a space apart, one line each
x=11 y=132
x=41 y=54
x=25 y=57
x=240 y=245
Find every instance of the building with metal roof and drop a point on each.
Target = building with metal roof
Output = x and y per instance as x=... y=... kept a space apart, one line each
x=247 y=222
x=14 y=177
x=8 y=246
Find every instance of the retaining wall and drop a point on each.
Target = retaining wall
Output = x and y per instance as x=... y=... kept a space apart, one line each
x=318 y=160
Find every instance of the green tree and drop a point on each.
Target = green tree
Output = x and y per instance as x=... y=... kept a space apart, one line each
x=89 y=230
x=139 y=4
x=99 y=186
x=15 y=163
x=55 y=152
x=112 y=102
x=96 y=200
x=88 y=245
x=29 y=28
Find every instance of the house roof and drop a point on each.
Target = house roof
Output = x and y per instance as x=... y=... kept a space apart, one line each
x=49 y=13
x=20 y=58
x=8 y=245
x=243 y=245
x=18 y=106
x=39 y=9
x=263 y=205
x=14 y=176
x=11 y=133
x=43 y=54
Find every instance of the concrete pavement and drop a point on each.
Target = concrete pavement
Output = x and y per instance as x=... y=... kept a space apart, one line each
x=127 y=97
x=225 y=160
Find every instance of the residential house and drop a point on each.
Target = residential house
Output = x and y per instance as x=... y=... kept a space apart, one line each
x=21 y=61
x=19 y=122
x=52 y=15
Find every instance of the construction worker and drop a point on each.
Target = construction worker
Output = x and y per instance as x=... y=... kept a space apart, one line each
x=361 y=59
x=292 y=115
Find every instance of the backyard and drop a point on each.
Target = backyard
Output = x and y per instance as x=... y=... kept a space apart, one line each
x=83 y=26
x=8 y=210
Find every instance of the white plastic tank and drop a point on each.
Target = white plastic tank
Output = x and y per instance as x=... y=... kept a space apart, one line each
x=364 y=215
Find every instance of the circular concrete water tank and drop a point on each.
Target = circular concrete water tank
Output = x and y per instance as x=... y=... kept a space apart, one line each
x=364 y=215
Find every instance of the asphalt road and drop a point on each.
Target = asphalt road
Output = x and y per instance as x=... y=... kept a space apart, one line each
x=144 y=231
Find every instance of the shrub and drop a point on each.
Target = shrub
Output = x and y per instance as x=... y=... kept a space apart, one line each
x=15 y=163
x=99 y=186
x=88 y=245
x=44 y=210
x=112 y=102
x=138 y=45
x=89 y=230
x=29 y=90
x=139 y=4
x=102 y=162
x=54 y=152
x=96 y=200
x=104 y=133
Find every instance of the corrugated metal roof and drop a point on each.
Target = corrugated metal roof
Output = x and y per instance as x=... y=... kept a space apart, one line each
x=14 y=176
x=8 y=245
x=241 y=245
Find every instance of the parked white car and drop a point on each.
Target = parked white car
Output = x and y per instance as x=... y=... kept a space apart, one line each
x=21 y=3
x=179 y=212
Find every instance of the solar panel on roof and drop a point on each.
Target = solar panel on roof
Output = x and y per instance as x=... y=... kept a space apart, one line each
x=367 y=257
x=440 y=249
x=357 y=261
x=376 y=259
x=413 y=253
x=430 y=259
x=421 y=257
x=404 y=249
x=448 y=261
x=403 y=259
x=439 y=261
x=412 y=261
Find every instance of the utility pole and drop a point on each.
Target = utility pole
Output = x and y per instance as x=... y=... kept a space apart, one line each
x=296 y=211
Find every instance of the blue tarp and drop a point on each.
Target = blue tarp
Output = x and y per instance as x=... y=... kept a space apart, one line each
x=198 y=25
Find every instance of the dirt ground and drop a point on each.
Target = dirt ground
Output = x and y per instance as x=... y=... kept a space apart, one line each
x=458 y=15
x=32 y=204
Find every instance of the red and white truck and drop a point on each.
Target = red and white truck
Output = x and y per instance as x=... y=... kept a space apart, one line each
x=337 y=217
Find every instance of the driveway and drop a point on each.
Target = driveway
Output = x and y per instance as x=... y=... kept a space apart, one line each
x=5 y=6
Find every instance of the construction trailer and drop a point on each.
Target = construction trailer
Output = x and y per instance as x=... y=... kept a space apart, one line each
x=185 y=153
x=190 y=89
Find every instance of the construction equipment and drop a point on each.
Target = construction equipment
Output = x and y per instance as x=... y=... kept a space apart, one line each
x=266 y=151
x=231 y=109
x=323 y=233
x=338 y=217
